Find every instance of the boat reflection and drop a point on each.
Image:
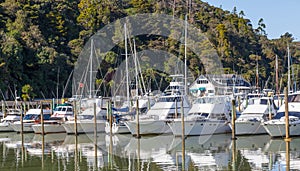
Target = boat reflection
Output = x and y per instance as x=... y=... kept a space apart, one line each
x=163 y=152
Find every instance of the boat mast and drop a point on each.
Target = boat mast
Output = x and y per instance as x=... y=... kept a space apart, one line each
x=257 y=75
x=185 y=56
x=136 y=71
x=289 y=72
x=276 y=71
x=126 y=62
x=91 y=68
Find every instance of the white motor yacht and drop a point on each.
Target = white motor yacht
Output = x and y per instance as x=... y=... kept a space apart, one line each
x=259 y=109
x=166 y=108
x=12 y=115
x=276 y=126
x=208 y=115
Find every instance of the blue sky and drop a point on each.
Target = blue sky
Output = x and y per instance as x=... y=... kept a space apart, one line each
x=280 y=16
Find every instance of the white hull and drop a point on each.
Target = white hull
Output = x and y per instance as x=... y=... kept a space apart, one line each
x=249 y=128
x=120 y=128
x=83 y=126
x=27 y=127
x=278 y=130
x=201 y=127
x=48 y=128
x=5 y=127
x=149 y=127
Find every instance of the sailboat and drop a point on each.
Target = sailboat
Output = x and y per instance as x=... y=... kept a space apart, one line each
x=122 y=115
x=172 y=104
x=85 y=122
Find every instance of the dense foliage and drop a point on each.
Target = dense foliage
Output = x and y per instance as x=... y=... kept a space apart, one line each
x=40 y=41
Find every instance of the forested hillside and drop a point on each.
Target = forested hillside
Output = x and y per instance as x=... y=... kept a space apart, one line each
x=40 y=41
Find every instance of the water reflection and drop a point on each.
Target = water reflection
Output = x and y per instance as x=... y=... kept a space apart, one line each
x=123 y=152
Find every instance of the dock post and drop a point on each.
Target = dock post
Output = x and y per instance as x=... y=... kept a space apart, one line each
x=233 y=117
x=42 y=119
x=182 y=134
x=95 y=136
x=75 y=118
x=287 y=125
x=137 y=120
x=110 y=117
x=287 y=154
x=95 y=121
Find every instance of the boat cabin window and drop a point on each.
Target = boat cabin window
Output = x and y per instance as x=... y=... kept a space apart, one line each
x=296 y=98
x=172 y=115
x=282 y=114
x=211 y=100
x=202 y=82
x=169 y=99
x=264 y=101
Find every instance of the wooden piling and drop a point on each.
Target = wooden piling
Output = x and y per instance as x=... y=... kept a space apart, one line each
x=182 y=134
x=287 y=155
x=75 y=118
x=234 y=155
x=137 y=120
x=21 y=120
x=286 y=105
x=95 y=121
x=43 y=150
x=110 y=117
x=233 y=117
x=42 y=119
x=95 y=136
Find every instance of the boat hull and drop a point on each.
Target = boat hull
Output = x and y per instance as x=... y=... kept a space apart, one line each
x=278 y=130
x=249 y=128
x=200 y=127
x=149 y=127
x=120 y=128
x=27 y=127
x=83 y=127
x=5 y=127
x=48 y=128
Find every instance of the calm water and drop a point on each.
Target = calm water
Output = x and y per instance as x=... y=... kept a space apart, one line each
x=123 y=152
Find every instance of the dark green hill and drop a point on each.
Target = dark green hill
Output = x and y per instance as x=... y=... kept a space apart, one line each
x=40 y=41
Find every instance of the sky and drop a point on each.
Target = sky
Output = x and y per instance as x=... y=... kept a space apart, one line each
x=280 y=16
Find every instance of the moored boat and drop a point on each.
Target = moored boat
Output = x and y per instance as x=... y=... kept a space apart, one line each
x=208 y=115
x=33 y=116
x=13 y=115
x=258 y=110
x=276 y=126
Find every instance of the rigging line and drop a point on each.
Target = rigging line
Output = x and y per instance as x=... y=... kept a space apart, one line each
x=64 y=90
x=142 y=78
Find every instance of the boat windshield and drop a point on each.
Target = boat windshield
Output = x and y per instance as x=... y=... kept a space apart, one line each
x=169 y=99
x=282 y=114
x=211 y=100
x=36 y=117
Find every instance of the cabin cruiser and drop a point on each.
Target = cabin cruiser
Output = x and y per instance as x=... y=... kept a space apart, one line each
x=258 y=110
x=208 y=115
x=276 y=126
x=12 y=115
x=32 y=116
x=54 y=124
x=169 y=106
